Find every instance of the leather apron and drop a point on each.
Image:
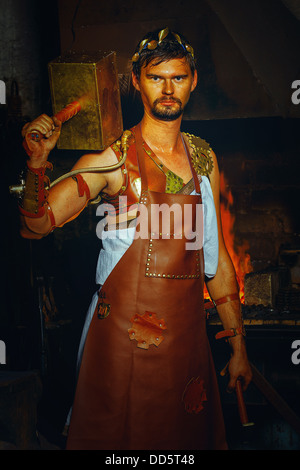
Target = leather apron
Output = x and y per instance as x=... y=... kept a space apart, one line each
x=147 y=380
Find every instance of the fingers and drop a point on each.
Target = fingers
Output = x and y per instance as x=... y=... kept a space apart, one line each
x=43 y=124
x=24 y=129
x=238 y=368
x=57 y=122
x=245 y=380
x=40 y=136
x=231 y=384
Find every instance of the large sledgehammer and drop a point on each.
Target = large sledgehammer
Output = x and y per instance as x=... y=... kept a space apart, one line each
x=93 y=117
x=88 y=84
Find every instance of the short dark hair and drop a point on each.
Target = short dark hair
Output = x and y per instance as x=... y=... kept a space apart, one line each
x=173 y=46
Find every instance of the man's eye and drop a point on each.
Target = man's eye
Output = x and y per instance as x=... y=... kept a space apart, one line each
x=178 y=79
x=155 y=79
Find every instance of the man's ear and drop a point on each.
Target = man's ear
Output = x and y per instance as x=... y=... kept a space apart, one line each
x=195 y=81
x=135 y=81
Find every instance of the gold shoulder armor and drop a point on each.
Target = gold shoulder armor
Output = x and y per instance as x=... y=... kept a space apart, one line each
x=201 y=155
x=121 y=145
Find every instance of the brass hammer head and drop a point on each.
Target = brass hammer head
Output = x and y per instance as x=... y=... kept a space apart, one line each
x=91 y=79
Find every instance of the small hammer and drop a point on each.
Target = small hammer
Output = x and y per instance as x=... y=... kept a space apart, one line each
x=241 y=405
x=240 y=400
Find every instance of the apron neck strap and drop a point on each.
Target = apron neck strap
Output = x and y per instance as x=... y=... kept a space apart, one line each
x=141 y=156
x=141 y=160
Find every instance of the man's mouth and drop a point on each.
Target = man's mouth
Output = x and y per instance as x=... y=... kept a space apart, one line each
x=168 y=101
x=164 y=108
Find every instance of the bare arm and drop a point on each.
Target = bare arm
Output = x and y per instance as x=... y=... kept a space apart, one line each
x=63 y=198
x=222 y=284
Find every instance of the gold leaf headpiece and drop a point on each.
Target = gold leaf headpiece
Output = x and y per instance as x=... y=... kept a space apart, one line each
x=151 y=45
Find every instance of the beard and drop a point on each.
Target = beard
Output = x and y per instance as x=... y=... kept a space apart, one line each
x=167 y=113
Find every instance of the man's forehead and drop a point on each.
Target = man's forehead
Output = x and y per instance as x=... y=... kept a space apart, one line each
x=177 y=66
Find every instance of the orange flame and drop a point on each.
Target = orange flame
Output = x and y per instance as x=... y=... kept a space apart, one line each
x=237 y=252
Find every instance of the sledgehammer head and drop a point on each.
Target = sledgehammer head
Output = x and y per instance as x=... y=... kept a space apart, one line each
x=91 y=80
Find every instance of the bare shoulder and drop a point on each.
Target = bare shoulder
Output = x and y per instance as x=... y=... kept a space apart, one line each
x=101 y=159
x=98 y=181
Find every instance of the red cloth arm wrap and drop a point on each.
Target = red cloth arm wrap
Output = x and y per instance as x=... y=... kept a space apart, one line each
x=222 y=300
x=35 y=193
x=232 y=331
x=83 y=188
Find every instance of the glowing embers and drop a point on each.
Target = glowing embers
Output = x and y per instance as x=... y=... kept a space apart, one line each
x=146 y=330
x=194 y=395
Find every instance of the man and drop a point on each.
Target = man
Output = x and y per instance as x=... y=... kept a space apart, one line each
x=146 y=378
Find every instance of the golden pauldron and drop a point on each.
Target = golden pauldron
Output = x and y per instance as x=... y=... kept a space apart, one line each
x=151 y=45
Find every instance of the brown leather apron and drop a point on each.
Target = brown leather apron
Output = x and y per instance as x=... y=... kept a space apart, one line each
x=147 y=379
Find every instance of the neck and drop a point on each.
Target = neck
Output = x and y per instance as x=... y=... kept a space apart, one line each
x=161 y=135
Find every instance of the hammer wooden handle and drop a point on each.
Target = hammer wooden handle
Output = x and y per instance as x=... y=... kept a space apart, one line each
x=64 y=115
x=241 y=404
x=69 y=111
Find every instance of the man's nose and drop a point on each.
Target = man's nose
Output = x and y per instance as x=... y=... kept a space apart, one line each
x=168 y=87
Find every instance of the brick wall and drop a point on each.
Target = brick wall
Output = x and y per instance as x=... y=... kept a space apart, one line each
x=260 y=159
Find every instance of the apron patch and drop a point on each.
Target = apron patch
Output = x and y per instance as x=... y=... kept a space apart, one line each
x=146 y=330
x=194 y=395
x=102 y=308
